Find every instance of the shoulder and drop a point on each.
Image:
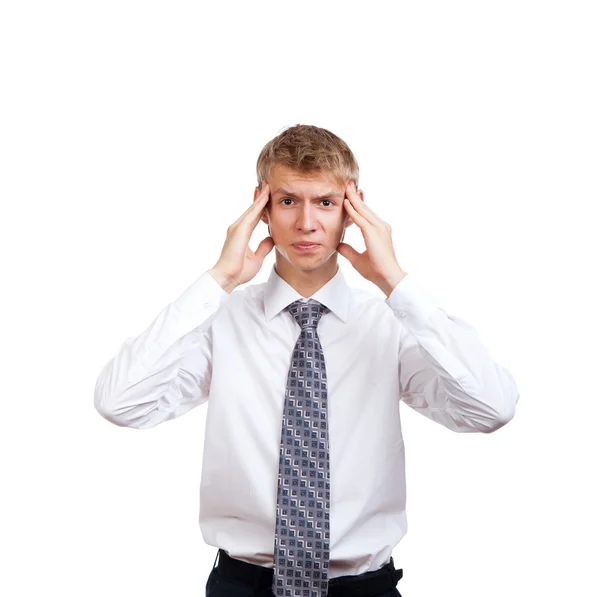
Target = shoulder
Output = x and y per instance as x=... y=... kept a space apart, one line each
x=363 y=301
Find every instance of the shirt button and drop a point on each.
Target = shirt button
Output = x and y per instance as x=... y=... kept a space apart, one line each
x=207 y=305
x=402 y=314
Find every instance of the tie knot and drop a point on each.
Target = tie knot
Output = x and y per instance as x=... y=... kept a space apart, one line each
x=307 y=314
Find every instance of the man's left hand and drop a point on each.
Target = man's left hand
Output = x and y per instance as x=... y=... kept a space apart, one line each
x=378 y=263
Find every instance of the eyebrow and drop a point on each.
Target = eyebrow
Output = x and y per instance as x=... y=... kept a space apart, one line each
x=321 y=197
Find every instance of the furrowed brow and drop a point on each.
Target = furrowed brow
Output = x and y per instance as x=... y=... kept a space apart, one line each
x=290 y=194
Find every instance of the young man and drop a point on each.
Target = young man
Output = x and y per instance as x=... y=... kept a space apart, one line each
x=303 y=480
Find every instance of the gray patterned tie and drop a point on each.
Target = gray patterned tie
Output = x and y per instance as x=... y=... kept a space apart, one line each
x=301 y=556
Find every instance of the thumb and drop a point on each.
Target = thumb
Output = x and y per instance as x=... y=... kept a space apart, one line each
x=264 y=248
x=347 y=251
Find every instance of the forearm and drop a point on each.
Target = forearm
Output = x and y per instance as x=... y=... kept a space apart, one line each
x=165 y=369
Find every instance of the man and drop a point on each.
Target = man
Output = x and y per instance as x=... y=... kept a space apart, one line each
x=303 y=480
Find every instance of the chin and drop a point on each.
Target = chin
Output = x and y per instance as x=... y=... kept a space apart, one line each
x=307 y=262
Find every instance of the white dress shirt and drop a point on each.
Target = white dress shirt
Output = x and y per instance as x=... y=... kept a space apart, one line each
x=233 y=351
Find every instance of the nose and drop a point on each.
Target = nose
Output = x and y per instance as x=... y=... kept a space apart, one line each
x=306 y=219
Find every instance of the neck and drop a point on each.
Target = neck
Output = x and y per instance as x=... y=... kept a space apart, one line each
x=306 y=281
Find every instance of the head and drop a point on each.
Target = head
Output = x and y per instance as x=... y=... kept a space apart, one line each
x=307 y=169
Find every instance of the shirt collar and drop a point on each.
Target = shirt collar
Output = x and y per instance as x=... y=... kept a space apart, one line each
x=335 y=295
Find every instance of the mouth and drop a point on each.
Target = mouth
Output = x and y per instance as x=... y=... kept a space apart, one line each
x=304 y=248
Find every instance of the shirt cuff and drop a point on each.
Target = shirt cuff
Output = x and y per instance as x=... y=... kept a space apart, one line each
x=412 y=303
x=204 y=296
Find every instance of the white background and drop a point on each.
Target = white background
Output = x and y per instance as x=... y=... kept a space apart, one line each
x=129 y=133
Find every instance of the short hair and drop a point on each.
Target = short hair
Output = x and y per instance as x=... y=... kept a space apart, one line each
x=308 y=148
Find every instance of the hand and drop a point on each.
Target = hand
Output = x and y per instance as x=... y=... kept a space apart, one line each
x=378 y=263
x=237 y=264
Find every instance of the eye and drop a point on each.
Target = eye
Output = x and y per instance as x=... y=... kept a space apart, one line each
x=288 y=199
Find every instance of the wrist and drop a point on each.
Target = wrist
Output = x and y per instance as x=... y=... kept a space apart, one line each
x=225 y=282
x=388 y=285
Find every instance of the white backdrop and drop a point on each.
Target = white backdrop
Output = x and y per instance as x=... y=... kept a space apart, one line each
x=129 y=133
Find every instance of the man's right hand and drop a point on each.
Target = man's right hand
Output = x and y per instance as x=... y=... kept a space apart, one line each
x=237 y=264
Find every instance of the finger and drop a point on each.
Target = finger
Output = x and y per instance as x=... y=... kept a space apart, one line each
x=258 y=205
x=262 y=200
x=356 y=217
x=256 y=211
x=361 y=207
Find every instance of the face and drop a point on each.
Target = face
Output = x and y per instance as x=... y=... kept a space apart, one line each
x=305 y=207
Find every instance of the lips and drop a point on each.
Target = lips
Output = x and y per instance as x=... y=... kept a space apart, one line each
x=306 y=244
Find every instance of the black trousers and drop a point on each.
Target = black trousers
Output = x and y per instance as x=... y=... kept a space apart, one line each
x=236 y=578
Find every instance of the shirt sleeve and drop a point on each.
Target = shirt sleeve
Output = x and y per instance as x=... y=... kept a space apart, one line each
x=445 y=371
x=166 y=370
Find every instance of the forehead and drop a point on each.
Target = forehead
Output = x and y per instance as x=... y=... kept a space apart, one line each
x=285 y=178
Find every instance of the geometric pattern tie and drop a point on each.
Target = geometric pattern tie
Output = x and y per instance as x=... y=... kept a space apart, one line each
x=301 y=553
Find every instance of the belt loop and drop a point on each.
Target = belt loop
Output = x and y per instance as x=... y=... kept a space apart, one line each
x=396 y=573
x=390 y=569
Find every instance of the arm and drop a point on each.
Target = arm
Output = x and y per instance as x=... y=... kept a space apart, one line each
x=445 y=371
x=166 y=370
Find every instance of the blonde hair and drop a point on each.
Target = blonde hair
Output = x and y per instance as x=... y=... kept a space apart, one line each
x=308 y=148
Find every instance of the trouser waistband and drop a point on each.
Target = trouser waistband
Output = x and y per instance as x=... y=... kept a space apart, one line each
x=260 y=577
